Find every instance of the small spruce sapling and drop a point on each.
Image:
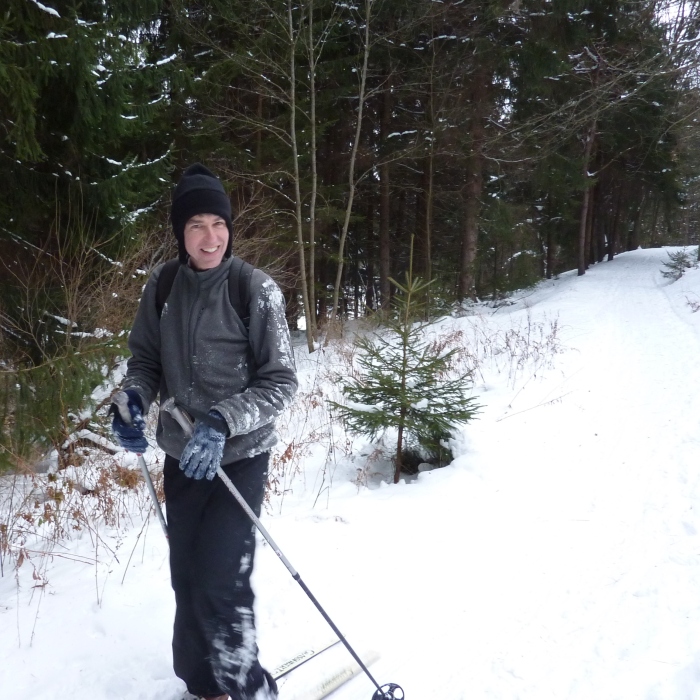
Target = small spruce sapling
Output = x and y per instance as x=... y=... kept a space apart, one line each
x=676 y=265
x=402 y=383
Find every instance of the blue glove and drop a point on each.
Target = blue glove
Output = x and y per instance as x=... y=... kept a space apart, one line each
x=202 y=454
x=128 y=424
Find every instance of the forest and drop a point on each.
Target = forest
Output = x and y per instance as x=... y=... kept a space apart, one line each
x=498 y=142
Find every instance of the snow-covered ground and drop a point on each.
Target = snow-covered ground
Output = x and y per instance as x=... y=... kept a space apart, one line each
x=557 y=557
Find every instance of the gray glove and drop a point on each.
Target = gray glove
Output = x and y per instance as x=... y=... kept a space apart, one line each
x=202 y=454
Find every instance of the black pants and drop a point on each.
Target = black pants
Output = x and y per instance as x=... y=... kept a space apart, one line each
x=212 y=547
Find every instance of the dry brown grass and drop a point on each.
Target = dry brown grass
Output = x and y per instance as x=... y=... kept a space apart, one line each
x=39 y=514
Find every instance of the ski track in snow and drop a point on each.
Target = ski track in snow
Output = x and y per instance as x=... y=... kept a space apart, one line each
x=557 y=558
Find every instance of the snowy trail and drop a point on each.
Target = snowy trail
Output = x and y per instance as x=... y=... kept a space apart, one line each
x=557 y=558
x=569 y=561
x=598 y=504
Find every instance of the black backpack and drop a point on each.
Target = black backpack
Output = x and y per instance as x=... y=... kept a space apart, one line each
x=238 y=286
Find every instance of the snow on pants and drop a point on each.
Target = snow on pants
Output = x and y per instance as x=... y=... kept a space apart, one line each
x=212 y=545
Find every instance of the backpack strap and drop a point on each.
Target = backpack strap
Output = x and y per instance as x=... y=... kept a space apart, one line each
x=239 y=288
x=165 y=283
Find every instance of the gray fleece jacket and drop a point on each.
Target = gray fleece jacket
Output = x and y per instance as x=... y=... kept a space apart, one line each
x=200 y=353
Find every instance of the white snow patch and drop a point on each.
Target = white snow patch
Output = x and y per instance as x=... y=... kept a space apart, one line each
x=163 y=61
x=557 y=556
x=44 y=8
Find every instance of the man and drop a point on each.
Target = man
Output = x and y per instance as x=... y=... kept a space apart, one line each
x=235 y=380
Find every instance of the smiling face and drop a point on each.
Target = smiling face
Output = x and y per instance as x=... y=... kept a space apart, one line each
x=206 y=240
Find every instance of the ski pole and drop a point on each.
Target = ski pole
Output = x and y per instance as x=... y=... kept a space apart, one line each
x=152 y=492
x=389 y=691
x=122 y=402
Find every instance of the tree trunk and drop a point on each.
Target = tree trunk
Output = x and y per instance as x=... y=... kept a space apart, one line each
x=599 y=227
x=472 y=203
x=385 y=198
x=399 y=448
x=428 y=177
x=590 y=243
x=612 y=242
x=494 y=271
x=297 y=188
x=384 y=236
x=314 y=172
x=583 y=223
x=353 y=157
x=466 y=287
x=654 y=221
x=428 y=180
x=550 y=252
x=255 y=187
x=401 y=215
x=419 y=219
x=369 y=252
x=633 y=242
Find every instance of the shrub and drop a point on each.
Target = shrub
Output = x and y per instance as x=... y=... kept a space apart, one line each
x=676 y=265
x=404 y=384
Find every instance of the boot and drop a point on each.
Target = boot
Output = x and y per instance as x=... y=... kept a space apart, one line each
x=268 y=691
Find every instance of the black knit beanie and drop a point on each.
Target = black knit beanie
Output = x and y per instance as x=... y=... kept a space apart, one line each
x=199 y=192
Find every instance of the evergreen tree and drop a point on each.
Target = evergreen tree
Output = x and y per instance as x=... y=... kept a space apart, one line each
x=78 y=97
x=678 y=262
x=78 y=156
x=596 y=107
x=404 y=384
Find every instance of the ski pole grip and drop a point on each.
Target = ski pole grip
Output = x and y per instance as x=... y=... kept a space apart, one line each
x=121 y=401
x=179 y=416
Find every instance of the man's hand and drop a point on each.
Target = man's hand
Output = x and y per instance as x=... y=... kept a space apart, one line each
x=202 y=454
x=128 y=424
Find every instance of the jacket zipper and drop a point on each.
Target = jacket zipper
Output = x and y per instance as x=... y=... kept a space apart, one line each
x=191 y=327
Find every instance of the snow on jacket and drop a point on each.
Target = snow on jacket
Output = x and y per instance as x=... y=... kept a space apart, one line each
x=200 y=353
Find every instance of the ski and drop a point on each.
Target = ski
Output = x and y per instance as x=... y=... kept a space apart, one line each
x=284 y=668
x=332 y=680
